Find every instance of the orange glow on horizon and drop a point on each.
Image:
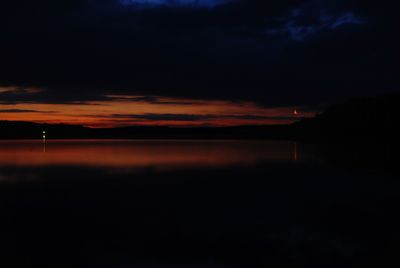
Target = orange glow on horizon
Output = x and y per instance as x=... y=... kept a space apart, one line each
x=126 y=110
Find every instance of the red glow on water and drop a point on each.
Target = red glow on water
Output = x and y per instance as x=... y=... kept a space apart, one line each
x=296 y=152
x=137 y=154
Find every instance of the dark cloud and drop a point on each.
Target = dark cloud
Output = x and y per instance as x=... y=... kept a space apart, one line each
x=13 y=95
x=54 y=95
x=196 y=117
x=273 y=52
x=298 y=31
x=24 y=111
x=175 y=3
x=149 y=99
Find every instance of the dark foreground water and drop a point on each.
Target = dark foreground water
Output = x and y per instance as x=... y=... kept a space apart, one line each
x=196 y=204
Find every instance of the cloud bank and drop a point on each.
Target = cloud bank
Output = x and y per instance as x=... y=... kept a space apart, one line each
x=273 y=53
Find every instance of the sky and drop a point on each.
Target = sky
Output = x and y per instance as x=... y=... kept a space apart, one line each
x=106 y=63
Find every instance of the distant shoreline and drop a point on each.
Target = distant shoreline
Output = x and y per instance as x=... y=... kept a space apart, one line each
x=27 y=130
x=364 y=119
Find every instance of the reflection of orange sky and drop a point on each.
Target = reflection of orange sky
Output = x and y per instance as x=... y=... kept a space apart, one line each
x=142 y=154
x=103 y=113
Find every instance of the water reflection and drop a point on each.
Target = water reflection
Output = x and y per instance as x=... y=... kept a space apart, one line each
x=163 y=154
x=193 y=204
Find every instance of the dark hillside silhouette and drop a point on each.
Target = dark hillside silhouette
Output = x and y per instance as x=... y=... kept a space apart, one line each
x=362 y=118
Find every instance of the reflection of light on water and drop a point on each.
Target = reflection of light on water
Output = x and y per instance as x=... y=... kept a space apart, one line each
x=44 y=141
x=296 y=152
x=140 y=154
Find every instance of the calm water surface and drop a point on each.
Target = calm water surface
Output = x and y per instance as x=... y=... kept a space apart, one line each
x=142 y=153
x=145 y=203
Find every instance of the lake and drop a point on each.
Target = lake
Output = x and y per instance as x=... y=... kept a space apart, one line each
x=171 y=203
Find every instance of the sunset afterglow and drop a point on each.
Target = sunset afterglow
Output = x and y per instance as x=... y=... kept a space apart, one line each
x=126 y=110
